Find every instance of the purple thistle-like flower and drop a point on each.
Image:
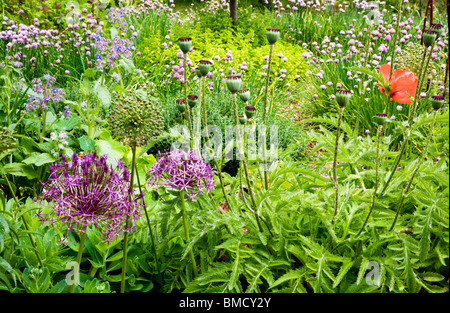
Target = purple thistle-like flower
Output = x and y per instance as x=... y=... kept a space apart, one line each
x=185 y=171
x=87 y=192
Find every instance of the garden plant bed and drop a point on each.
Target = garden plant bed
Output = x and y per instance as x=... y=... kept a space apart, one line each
x=166 y=147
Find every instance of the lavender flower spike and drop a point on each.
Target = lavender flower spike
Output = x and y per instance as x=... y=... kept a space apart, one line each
x=87 y=192
x=185 y=171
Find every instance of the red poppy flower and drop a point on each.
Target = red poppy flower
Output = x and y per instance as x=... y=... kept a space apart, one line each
x=402 y=84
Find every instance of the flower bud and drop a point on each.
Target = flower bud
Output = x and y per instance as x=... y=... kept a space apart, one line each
x=185 y=44
x=272 y=35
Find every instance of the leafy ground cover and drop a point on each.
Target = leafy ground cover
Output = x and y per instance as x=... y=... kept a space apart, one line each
x=153 y=146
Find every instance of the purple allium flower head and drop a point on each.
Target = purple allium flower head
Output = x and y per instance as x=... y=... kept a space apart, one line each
x=87 y=192
x=185 y=171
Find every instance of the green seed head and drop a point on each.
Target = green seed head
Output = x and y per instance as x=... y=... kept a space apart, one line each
x=343 y=97
x=242 y=119
x=234 y=83
x=185 y=44
x=429 y=36
x=439 y=28
x=437 y=102
x=272 y=35
x=204 y=66
x=135 y=120
x=250 y=111
x=192 y=100
x=244 y=94
x=380 y=118
x=181 y=106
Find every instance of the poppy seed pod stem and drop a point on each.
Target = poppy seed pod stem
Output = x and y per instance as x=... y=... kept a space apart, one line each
x=189 y=117
x=335 y=178
x=377 y=165
x=408 y=187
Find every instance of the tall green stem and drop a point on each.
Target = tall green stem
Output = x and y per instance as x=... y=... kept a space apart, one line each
x=205 y=125
x=79 y=255
x=377 y=165
x=188 y=109
x=335 y=178
x=186 y=232
x=266 y=184
x=408 y=187
x=125 y=238
x=149 y=226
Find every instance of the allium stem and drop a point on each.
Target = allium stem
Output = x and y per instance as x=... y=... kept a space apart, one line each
x=416 y=170
x=125 y=238
x=186 y=231
x=335 y=178
x=149 y=226
x=79 y=255
x=377 y=165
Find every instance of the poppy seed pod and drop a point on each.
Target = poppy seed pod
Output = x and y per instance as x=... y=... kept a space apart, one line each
x=181 y=105
x=429 y=36
x=343 y=97
x=192 y=100
x=250 y=111
x=242 y=119
x=185 y=44
x=437 y=102
x=244 y=94
x=198 y=73
x=204 y=66
x=234 y=83
x=381 y=118
x=439 y=28
x=272 y=35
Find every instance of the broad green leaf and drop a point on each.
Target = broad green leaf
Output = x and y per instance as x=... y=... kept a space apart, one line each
x=86 y=143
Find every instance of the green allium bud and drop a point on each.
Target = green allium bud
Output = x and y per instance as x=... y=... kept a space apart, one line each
x=136 y=120
x=437 y=102
x=185 y=44
x=343 y=97
x=429 y=36
x=192 y=100
x=410 y=58
x=234 y=83
x=244 y=94
x=204 y=66
x=272 y=35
